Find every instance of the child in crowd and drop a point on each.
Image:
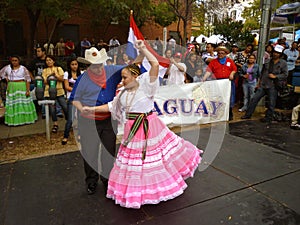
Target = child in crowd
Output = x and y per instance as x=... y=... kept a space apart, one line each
x=198 y=75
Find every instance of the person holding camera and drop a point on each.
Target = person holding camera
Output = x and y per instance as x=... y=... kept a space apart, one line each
x=249 y=73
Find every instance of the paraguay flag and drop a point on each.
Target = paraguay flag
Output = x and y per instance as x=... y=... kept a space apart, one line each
x=135 y=34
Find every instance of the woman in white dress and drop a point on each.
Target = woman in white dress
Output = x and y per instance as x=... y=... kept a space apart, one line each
x=152 y=161
x=19 y=106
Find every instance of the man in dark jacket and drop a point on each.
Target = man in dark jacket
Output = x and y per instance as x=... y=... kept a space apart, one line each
x=273 y=72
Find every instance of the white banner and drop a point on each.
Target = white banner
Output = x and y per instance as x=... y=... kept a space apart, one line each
x=194 y=103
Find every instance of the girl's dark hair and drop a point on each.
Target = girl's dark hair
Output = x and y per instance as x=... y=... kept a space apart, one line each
x=252 y=46
x=212 y=45
x=252 y=55
x=269 y=45
x=69 y=68
x=134 y=69
x=14 y=56
x=51 y=57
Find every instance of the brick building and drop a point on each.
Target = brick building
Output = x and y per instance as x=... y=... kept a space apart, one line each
x=14 y=36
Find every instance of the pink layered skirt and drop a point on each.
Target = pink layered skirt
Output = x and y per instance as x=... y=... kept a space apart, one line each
x=169 y=161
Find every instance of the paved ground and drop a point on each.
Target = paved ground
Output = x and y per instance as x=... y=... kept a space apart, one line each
x=254 y=179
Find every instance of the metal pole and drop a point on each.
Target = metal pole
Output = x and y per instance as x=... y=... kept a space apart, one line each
x=47 y=103
x=263 y=38
x=164 y=40
x=47 y=122
x=264 y=30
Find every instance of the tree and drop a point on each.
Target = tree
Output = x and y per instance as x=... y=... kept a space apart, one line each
x=182 y=10
x=233 y=31
x=199 y=19
x=163 y=14
x=56 y=10
x=106 y=12
x=141 y=9
x=252 y=16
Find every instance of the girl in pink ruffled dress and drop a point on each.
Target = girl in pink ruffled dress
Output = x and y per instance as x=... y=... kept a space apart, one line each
x=152 y=162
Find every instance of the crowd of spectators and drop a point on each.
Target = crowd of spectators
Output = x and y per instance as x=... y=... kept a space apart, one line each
x=195 y=63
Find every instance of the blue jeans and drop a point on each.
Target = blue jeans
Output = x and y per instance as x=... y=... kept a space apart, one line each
x=63 y=103
x=232 y=94
x=69 y=121
x=248 y=90
x=261 y=92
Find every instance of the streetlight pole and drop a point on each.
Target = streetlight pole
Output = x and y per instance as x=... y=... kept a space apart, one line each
x=264 y=30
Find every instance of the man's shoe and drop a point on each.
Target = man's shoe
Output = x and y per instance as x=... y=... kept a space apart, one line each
x=91 y=188
x=105 y=183
x=295 y=126
x=245 y=117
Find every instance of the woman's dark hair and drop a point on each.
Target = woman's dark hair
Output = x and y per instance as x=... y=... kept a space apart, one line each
x=51 y=57
x=252 y=46
x=212 y=45
x=14 y=56
x=134 y=69
x=269 y=45
x=69 y=68
x=252 y=55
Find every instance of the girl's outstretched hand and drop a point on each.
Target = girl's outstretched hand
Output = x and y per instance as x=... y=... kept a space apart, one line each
x=139 y=44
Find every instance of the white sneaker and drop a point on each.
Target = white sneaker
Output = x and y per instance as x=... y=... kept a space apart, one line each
x=295 y=126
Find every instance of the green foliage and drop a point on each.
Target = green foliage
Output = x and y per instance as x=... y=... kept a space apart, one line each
x=252 y=16
x=233 y=31
x=141 y=10
x=163 y=14
x=199 y=19
x=104 y=12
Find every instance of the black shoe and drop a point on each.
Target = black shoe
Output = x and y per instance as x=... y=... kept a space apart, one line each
x=105 y=183
x=64 y=141
x=245 y=117
x=91 y=188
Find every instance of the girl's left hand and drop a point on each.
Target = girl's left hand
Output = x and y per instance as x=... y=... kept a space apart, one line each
x=87 y=109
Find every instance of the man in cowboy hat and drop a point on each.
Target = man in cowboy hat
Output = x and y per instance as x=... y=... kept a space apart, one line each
x=96 y=86
x=274 y=71
x=223 y=68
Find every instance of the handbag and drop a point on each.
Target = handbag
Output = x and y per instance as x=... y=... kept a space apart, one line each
x=283 y=88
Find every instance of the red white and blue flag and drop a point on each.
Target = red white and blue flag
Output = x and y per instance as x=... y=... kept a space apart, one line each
x=131 y=51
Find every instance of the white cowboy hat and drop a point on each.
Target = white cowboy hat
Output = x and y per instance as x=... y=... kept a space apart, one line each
x=278 y=48
x=93 y=56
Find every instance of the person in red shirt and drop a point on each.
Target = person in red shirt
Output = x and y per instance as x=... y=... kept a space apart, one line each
x=69 y=48
x=223 y=68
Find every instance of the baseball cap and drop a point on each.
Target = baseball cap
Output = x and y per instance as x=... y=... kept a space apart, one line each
x=178 y=54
